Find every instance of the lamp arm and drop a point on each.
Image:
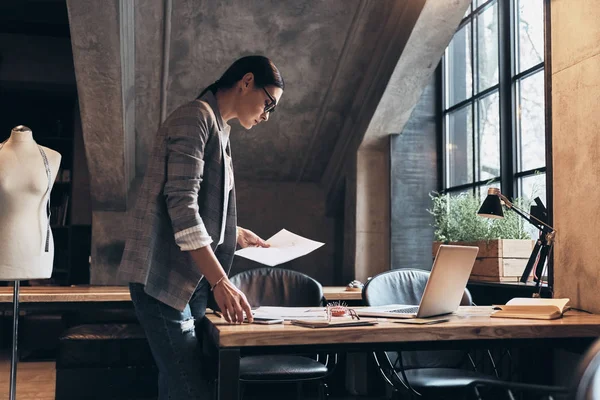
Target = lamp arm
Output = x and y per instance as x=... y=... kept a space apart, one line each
x=523 y=214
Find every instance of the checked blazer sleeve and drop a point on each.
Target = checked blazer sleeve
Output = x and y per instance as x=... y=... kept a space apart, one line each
x=185 y=170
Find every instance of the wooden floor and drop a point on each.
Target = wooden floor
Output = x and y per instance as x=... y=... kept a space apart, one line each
x=35 y=380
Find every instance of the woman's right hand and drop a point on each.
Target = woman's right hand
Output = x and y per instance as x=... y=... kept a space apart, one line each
x=232 y=302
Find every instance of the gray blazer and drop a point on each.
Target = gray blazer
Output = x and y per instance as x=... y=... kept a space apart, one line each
x=183 y=187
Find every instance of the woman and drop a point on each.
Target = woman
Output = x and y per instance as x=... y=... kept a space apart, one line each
x=183 y=233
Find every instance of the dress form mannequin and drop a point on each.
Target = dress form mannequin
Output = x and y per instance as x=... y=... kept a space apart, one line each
x=24 y=194
x=27 y=172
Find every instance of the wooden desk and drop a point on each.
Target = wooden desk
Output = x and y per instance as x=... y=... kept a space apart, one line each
x=66 y=294
x=339 y=293
x=470 y=326
x=103 y=294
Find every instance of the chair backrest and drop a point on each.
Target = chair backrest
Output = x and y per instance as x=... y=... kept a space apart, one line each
x=406 y=286
x=279 y=287
x=587 y=377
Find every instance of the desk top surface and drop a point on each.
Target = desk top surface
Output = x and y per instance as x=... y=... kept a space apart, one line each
x=469 y=323
x=90 y=293
x=68 y=294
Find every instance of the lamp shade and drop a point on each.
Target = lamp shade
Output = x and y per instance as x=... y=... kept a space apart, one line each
x=491 y=207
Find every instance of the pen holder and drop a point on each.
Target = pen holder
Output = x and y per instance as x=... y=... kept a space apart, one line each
x=338 y=311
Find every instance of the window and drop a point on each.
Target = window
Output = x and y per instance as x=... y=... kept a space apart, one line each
x=493 y=100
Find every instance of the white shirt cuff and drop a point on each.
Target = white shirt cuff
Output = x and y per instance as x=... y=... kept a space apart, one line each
x=193 y=238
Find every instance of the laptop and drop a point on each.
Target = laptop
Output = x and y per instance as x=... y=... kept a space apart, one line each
x=443 y=291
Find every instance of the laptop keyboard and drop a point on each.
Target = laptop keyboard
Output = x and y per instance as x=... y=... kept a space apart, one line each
x=407 y=310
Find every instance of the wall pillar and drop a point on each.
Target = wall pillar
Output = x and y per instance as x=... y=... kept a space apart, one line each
x=575 y=62
x=102 y=37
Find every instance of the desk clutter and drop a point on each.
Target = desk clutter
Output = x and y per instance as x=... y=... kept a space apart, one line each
x=334 y=315
x=355 y=286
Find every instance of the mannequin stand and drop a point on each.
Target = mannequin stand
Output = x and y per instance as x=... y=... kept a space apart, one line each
x=13 y=358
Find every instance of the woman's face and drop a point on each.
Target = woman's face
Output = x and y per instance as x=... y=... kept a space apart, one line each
x=255 y=104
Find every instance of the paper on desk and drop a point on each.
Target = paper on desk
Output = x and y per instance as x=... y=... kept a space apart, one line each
x=291 y=313
x=285 y=246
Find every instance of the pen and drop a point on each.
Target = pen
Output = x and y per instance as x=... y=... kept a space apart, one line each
x=218 y=314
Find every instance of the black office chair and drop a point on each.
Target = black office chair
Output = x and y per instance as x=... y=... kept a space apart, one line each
x=585 y=383
x=281 y=287
x=426 y=374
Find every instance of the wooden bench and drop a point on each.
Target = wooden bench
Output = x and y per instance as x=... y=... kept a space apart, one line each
x=105 y=361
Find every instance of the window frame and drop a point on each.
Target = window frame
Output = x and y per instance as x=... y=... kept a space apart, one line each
x=508 y=178
x=507 y=92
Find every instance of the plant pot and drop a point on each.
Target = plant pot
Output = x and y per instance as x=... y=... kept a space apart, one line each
x=499 y=260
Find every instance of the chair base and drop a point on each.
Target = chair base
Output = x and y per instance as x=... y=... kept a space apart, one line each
x=446 y=382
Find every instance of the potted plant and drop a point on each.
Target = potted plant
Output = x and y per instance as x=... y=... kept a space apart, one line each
x=504 y=244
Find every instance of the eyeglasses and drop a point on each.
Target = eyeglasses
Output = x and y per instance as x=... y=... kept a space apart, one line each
x=269 y=108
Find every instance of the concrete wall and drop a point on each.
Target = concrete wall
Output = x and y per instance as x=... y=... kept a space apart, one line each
x=189 y=55
x=372 y=213
x=413 y=175
x=149 y=69
x=102 y=40
x=304 y=38
x=575 y=64
x=336 y=56
x=81 y=205
x=267 y=207
x=105 y=99
x=418 y=37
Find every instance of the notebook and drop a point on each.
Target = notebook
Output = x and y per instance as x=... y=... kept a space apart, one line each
x=336 y=322
x=444 y=289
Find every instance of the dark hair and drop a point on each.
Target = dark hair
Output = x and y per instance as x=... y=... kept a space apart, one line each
x=264 y=71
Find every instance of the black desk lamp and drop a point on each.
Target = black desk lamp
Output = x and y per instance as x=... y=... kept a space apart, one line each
x=492 y=208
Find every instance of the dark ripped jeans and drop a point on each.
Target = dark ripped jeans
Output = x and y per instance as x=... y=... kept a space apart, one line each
x=175 y=346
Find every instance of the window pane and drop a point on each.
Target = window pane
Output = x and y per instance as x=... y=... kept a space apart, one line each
x=459 y=147
x=460 y=192
x=531 y=187
x=487 y=47
x=530 y=122
x=488 y=137
x=458 y=67
x=530 y=33
x=467 y=12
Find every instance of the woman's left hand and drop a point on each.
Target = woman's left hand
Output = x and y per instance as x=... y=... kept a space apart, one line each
x=246 y=237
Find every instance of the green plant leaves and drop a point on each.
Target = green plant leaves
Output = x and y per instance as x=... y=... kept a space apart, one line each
x=456 y=220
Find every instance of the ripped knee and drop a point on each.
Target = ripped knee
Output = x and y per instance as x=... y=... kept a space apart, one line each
x=187 y=325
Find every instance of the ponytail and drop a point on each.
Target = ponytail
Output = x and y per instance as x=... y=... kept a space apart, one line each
x=213 y=87
x=264 y=71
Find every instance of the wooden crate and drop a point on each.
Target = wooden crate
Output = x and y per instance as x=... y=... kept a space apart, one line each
x=501 y=260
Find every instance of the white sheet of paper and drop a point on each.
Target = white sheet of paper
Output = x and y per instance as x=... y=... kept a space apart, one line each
x=285 y=246
x=291 y=313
